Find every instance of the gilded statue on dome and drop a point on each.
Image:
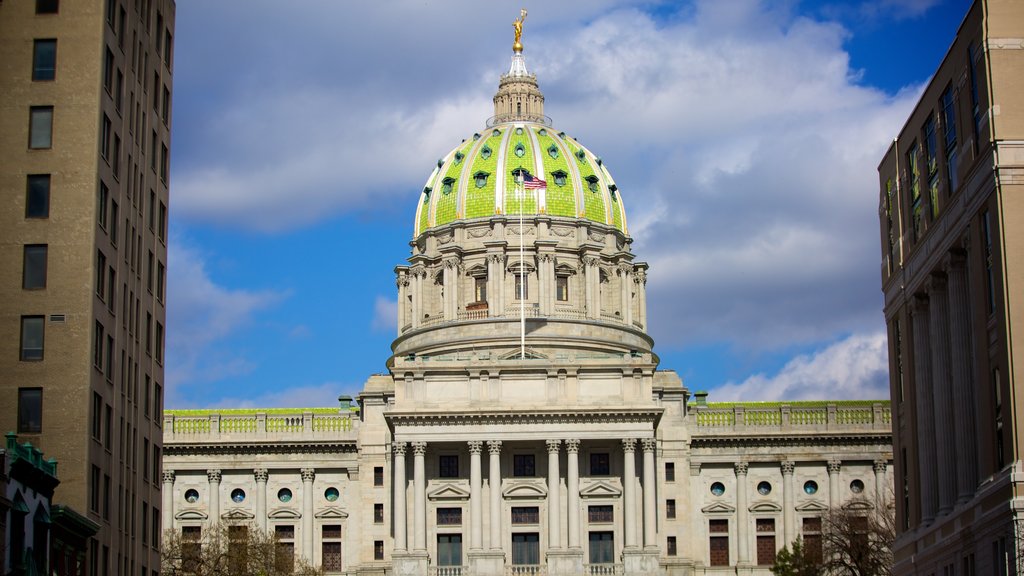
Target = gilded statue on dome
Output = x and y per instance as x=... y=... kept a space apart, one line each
x=518 y=25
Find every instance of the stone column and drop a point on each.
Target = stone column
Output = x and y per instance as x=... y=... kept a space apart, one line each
x=554 y=506
x=476 y=535
x=417 y=273
x=833 y=466
x=629 y=491
x=495 y=285
x=168 y=500
x=626 y=286
x=961 y=366
x=788 y=503
x=742 y=516
x=402 y=282
x=401 y=523
x=419 y=450
x=924 y=405
x=494 y=481
x=592 y=290
x=308 y=474
x=880 y=467
x=640 y=279
x=213 y=477
x=650 y=494
x=547 y=284
x=451 y=288
x=572 y=449
x=945 y=439
x=261 y=475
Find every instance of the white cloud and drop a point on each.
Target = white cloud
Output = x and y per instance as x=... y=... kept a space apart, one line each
x=300 y=396
x=385 y=314
x=200 y=315
x=855 y=368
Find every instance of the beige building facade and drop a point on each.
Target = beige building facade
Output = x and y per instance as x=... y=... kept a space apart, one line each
x=523 y=426
x=84 y=137
x=950 y=213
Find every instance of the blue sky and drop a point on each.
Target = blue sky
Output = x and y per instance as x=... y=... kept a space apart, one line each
x=743 y=135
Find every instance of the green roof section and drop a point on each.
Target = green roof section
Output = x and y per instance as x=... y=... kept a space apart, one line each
x=515 y=160
x=480 y=201
x=252 y=411
x=447 y=188
x=593 y=200
x=560 y=200
x=797 y=404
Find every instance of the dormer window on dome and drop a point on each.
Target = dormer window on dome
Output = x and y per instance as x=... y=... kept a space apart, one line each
x=426 y=191
x=485 y=152
x=458 y=157
x=446 y=185
x=520 y=151
x=553 y=151
x=592 y=183
x=559 y=177
x=480 y=179
x=581 y=156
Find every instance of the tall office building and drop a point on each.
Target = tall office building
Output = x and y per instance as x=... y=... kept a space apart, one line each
x=84 y=141
x=952 y=235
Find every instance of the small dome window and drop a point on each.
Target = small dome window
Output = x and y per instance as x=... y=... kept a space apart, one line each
x=718 y=488
x=612 y=188
x=561 y=134
x=856 y=486
x=476 y=136
x=426 y=191
x=592 y=183
x=440 y=162
x=446 y=185
x=581 y=156
x=559 y=177
x=238 y=495
x=331 y=494
x=599 y=162
x=458 y=157
x=496 y=132
x=191 y=496
x=519 y=131
x=810 y=487
x=764 y=488
x=520 y=151
x=553 y=151
x=480 y=179
x=485 y=152
x=284 y=495
x=542 y=132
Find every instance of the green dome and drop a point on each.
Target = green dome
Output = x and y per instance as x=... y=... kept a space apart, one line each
x=475 y=180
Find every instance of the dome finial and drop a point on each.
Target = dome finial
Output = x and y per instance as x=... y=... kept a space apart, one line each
x=517 y=46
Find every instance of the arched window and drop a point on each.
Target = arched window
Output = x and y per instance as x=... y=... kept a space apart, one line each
x=446 y=185
x=480 y=179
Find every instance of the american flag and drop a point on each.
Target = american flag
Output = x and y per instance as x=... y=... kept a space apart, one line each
x=531 y=182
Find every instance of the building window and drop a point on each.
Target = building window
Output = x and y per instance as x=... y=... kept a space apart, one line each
x=378 y=549
x=599 y=464
x=44 y=60
x=915 y=189
x=101 y=277
x=191 y=548
x=162 y=223
x=165 y=107
x=670 y=508
x=949 y=124
x=30 y=410
x=37 y=196
x=526 y=549
x=522 y=286
x=602 y=547
x=812 y=538
x=94 y=489
x=33 y=273
x=31 y=338
x=670 y=471
x=448 y=466
x=331 y=548
x=378 y=513
x=40 y=127
x=108 y=71
x=105 y=133
x=480 y=289
x=718 y=541
x=600 y=514
x=562 y=288
x=990 y=283
x=378 y=475
x=449 y=549
x=765 y=541
x=525 y=515
x=523 y=465
x=284 y=553
x=97 y=416
x=163 y=162
x=47 y=6
x=159 y=343
x=449 y=516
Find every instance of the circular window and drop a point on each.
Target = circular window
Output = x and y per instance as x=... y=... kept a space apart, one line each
x=519 y=131
x=718 y=488
x=237 y=495
x=284 y=495
x=764 y=488
x=810 y=487
x=856 y=486
x=191 y=496
x=331 y=494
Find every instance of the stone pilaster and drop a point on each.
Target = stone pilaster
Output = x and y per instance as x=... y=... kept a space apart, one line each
x=640 y=280
x=308 y=475
x=833 y=467
x=261 y=475
x=961 y=365
x=402 y=283
x=945 y=439
x=213 y=477
x=419 y=450
x=572 y=449
x=924 y=409
x=168 y=500
x=625 y=272
x=742 y=516
x=593 y=291
x=554 y=506
x=788 y=502
x=880 y=466
x=475 y=488
x=400 y=512
x=629 y=515
x=418 y=274
x=494 y=481
x=650 y=494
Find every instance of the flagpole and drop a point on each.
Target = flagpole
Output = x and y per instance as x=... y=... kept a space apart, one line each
x=522 y=270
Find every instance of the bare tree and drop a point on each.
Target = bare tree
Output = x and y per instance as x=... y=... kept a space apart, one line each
x=857 y=540
x=229 y=550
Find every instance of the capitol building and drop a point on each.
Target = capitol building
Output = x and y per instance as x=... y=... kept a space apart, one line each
x=523 y=425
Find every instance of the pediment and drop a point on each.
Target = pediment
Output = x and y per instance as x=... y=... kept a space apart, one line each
x=530 y=353
x=564 y=269
x=237 y=514
x=765 y=507
x=718 y=508
x=191 y=515
x=601 y=489
x=448 y=491
x=332 y=513
x=284 y=514
x=857 y=505
x=532 y=489
x=812 y=506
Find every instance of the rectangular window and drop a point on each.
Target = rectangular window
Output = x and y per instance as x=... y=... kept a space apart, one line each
x=152 y=210
x=600 y=464
x=44 y=60
x=523 y=466
x=602 y=548
x=116 y=159
x=449 y=549
x=284 y=550
x=526 y=549
x=106 y=497
x=914 y=173
x=108 y=423
x=990 y=279
x=168 y=46
x=158 y=402
x=119 y=92
x=670 y=508
x=765 y=541
x=525 y=515
x=562 y=288
x=670 y=546
x=448 y=466
x=30 y=410
x=378 y=549
x=718 y=542
x=111 y=288
x=378 y=475
x=149 y=333
x=149 y=272
x=37 y=196
x=378 y=513
x=47 y=6
x=812 y=538
x=105 y=134
x=97 y=416
x=165 y=106
x=949 y=123
x=101 y=274
x=102 y=200
x=163 y=162
x=159 y=337
x=108 y=71
x=162 y=223
x=522 y=287
x=600 y=514
x=94 y=489
x=152 y=151
x=449 y=516
x=480 y=289
x=31 y=338
x=33 y=272
x=40 y=127
x=670 y=471
x=191 y=548
x=97 y=346
x=331 y=554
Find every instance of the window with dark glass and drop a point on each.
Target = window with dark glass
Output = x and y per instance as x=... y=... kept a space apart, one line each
x=40 y=129
x=331 y=547
x=600 y=514
x=600 y=464
x=378 y=549
x=602 y=547
x=37 y=196
x=448 y=466
x=765 y=541
x=97 y=416
x=526 y=549
x=480 y=289
x=106 y=131
x=47 y=6
x=670 y=471
x=44 y=59
x=932 y=164
x=30 y=410
x=914 y=172
x=378 y=475
x=812 y=538
x=670 y=546
x=449 y=549
x=670 y=508
x=525 y=515
x=522 y=286
x=33 y=274
x=108 y=71
x=378 y=513
x=562 y=288
x=449 y=516
x=718 y=541
x=284 y=551
x=949 y=124
x=523 y=465
x=31 y=338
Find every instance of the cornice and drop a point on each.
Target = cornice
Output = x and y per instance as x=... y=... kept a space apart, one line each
x=265 y=446
x=525 y=416
x=810 y=439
